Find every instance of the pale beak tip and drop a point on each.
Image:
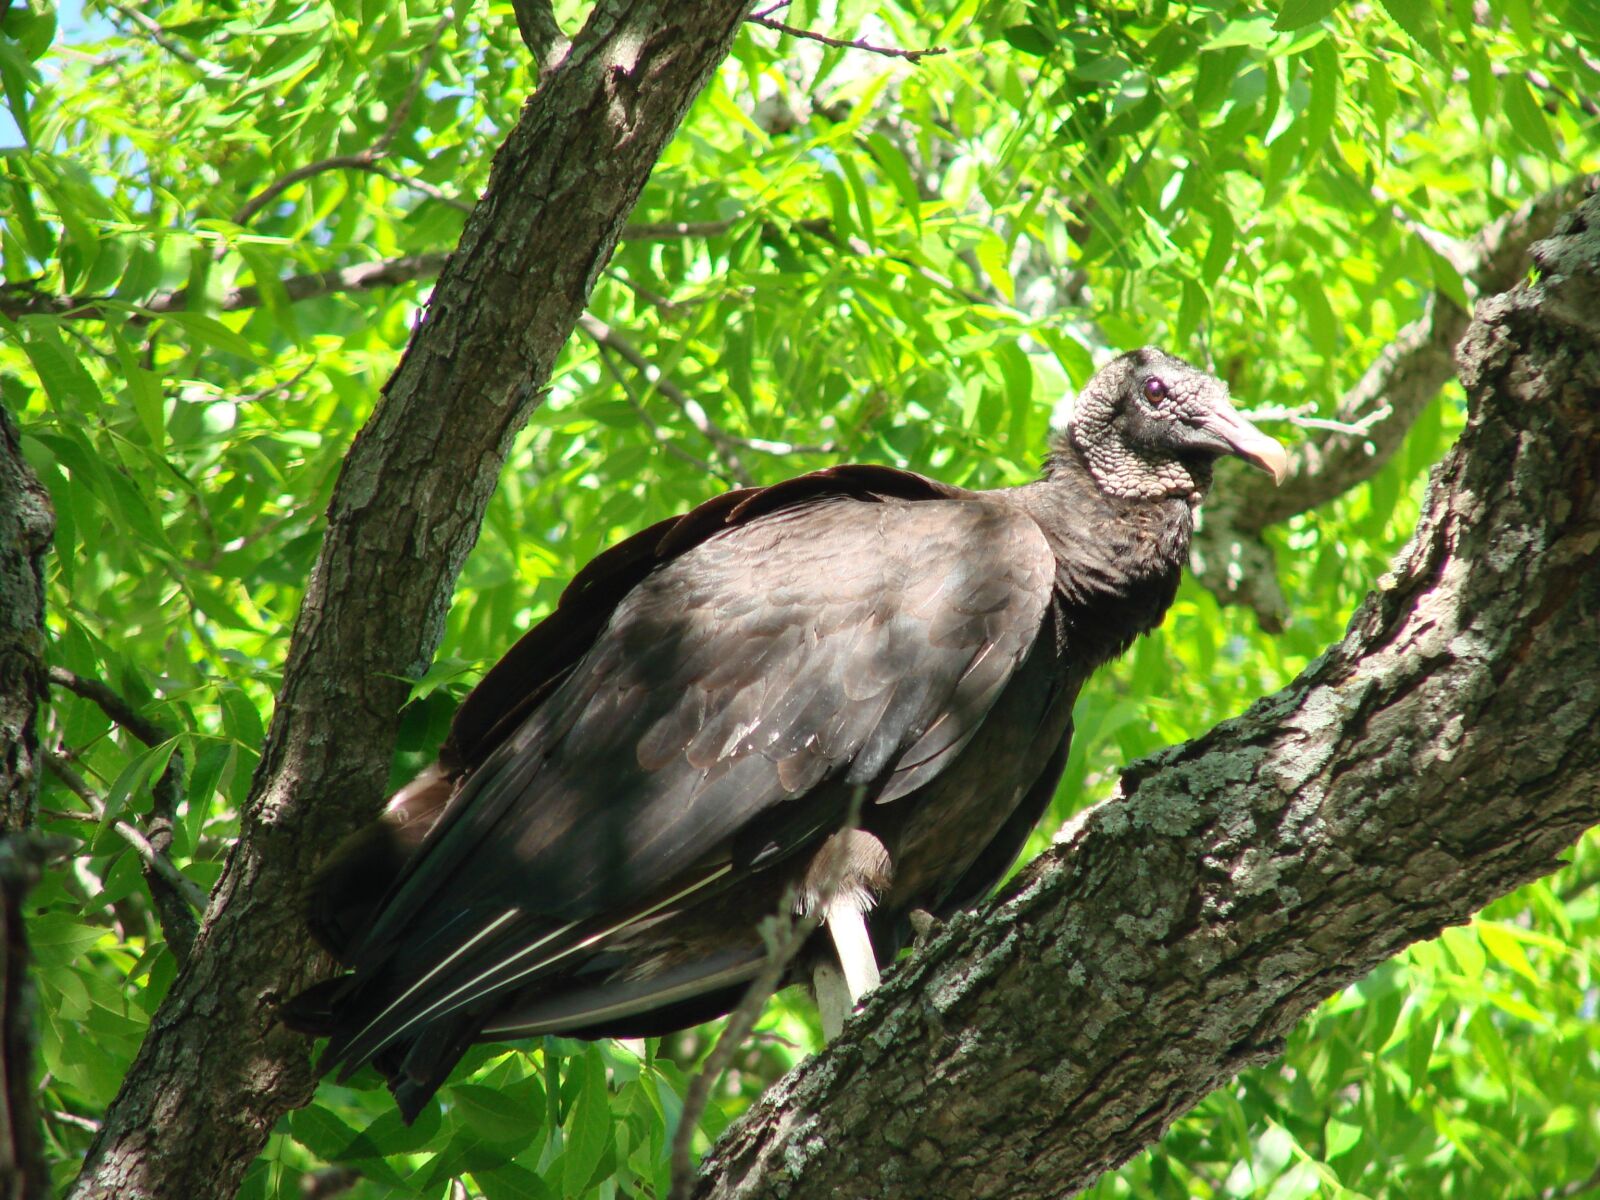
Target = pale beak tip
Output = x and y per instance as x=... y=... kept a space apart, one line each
x=1276 y=461
x=1261 y=451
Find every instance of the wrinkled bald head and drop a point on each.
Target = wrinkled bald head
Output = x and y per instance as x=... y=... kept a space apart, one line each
x=1150 y=425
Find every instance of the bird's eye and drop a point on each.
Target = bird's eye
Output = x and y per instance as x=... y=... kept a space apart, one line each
x=1155 y=388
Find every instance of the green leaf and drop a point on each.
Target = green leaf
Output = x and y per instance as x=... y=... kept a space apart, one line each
x=1505 y=946
x=242 y=721
x=59 y=940
x=1029 y=40
x=1417 y=18
x=1339 y=1136
x=1380 y=96
x=1527 y=118
x=993 y=257
x=64 y=378
x=331 y=1139
x=141 y=769
x=209 y=331
x=1255 y=32
x=212 y=767
x=1492 y=1047
x=493 y=1115
x=1322 y=111
x=1296 y=14
x=443 y=671
x=18 y=78
x=320 y=1131
x=588 y=1124
x=144 y=389
x=513 y=1182
x=1220 y=248
x=863 y=199
x=1466 y=948
x=893 y=164
x=1419 y=1049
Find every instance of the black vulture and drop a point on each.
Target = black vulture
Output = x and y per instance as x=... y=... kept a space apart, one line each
x=849 y=694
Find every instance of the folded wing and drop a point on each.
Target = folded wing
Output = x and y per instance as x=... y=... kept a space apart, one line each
x=739 y=697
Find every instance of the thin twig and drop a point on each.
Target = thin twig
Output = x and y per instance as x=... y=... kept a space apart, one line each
x=276 y=389
x=785 y=935
x=655 y=299
x=403 y=109
x=160 y=37
x=663 y=437
x=88 y=1124
x=328 y=1182
x=841 y=44
x=153 y=858
x=22 y=300
x=401 y=179
x=1371 y=419
x=362 y=160
x=361 y=277
x=662 y=231
x=605 y=335
x=265 y=530
x=729 y=443
x=1301 y=417
x=114 y=706
x=1577 y=1187
x=171 y=900
x=665 y=230
x=1539 y=81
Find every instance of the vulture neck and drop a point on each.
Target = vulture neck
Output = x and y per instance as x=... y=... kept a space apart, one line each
x=1118 y=559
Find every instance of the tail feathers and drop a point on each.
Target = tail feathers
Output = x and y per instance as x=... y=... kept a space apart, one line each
x=417 y=1063
x=417 y=1068
x=414 y=1067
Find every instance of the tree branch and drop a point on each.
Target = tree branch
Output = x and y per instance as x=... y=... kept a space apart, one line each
x=1444 y=753
x=812 y=35
x=541 y=34
x=217 y=1071
x=171 y=891
x=21 y=300
x=1229 y=556
x=153 y=858
x=26 y=526
x=151 y=733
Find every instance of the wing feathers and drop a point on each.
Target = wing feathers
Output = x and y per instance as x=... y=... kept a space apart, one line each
x=800 y=646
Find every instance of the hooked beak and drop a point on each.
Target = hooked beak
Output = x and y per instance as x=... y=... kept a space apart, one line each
x=1245 y=441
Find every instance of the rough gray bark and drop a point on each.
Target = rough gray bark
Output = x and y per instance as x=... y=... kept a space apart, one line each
x=216 y=1071
x=26 y=526
x=1446 y=751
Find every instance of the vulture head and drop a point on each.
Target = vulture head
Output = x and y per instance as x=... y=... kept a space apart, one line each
x=1149 y=426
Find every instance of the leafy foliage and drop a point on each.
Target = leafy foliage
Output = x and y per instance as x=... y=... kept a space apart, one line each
x=218 y=225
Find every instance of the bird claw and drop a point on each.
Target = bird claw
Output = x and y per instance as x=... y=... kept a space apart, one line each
x=925 y=926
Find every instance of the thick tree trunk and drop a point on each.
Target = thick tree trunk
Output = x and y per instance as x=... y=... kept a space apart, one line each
x=1442 y=754
x=26 y=525
x=216 y=1071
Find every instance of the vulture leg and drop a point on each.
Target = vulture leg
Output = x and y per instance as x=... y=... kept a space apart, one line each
x=848 y=925
x=833 y=998
x=840 y=988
